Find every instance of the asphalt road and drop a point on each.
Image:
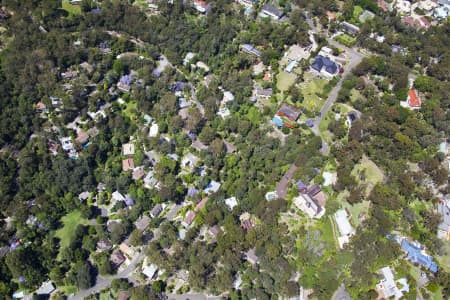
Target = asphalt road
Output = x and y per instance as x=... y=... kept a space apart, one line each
x=104 y=282
x=355 y=59
x=341 y=294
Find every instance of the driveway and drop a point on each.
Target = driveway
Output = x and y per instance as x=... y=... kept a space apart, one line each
x=341 y=294
x=284 y=182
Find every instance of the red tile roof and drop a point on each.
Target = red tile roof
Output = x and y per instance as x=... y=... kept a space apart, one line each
x=413 y=99
x=127 y=164
x=201 y=204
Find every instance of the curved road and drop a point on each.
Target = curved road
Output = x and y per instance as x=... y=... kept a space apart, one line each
x=104 y=282
x=354 y=59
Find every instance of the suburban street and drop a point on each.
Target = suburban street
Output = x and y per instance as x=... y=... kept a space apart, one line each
x=354 y=59
x=104 y=282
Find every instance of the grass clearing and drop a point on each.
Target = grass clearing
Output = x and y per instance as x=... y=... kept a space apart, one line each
x=71 y=9
x=346 y=40
x=367 y=172
x=285 y=80
x=67 y=232
x=312 y=93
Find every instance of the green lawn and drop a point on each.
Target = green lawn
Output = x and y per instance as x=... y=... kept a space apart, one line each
x=346 y=40
x=131 y=110
x=70 y=223
x=357 y=11
x=311 y=91
x=366 y=171
x=285 y=80
x=71 y=9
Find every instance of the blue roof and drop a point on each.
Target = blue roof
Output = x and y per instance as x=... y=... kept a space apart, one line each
x=192 y=192
x=310 y=122
x=129 y=201
x=126 y=79
x=301 y=185
x=277 y=120
x=415 y=255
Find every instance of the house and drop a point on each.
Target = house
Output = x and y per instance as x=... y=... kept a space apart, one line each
x=154 y=129
x=325 y=66
x=156 y=211
x=190 y=216
x=427 y=5
x=251 y=257
x=231 y=202
x=412 y=100
x=117 y=258
x=309 y=206
x=350 y=28
x=56 y=102
x=250 y=49
x=388 y=286
x=345 y=229
x=84 y=196
x=227 y=97
x=203 y=66
x=290 y=67
x=150 y=271
x=103 y=245
x=142 y=223
x=183 y=103
x=397 y=49
x=247 y=3
x=117 y=196
x=187 y=59
x=138 y=173
x=189 y=161
x=150 y=181
x=403 y=7
x=128 y=149
x=417 y=255
x=41 y=108
x=418 y=22
x=69 y=75
x=263 y=93
x=289 y=112
x=125 y=83
x=66 y=143
x=127 y=164
x=82 y=137
x=201 y=204
x=126 y=248
x=366 y=15
x=45 y=289
x=128 y=200
x=383 y=5
x=247 y=222
x=200 y=6
x=224 y=112
x=301 y=187
x=313 y=190
x=271 y=11
x=214 y=231
x=444 y=210
x=441 y=12
x=212 y=187
x=192 y=192
x=297 y=53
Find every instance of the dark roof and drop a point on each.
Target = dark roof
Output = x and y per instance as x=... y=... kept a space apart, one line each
x=289 y=111
x=156 y=210
x=313 y=190
x=350 y=27
x=251 y=49
x=324 y=62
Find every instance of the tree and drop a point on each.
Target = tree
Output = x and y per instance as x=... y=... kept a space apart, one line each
x=84 y=275
x=136 y=238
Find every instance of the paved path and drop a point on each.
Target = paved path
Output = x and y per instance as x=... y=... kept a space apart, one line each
x=284 y=182
x=341 y=294
x=104 y=282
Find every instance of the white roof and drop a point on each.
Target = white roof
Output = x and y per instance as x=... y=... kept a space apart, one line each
x=118 y=196
x=343 y=224
x=212 y=187
x=154 y=130
x=228 y=96
x=224 y=112
x=46 y=288
x=231 y=202
x=128 y=149
x=150 y=270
